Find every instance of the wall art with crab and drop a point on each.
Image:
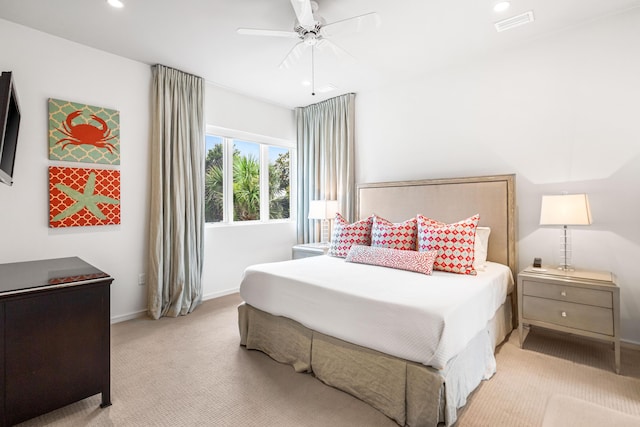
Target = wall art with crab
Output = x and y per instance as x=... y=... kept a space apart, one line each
x=83 y=133
x=83 y=196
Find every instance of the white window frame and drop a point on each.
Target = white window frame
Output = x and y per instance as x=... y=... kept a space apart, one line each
x=228 y=135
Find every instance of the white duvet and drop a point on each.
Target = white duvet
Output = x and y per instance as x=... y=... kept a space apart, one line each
x=426 y=319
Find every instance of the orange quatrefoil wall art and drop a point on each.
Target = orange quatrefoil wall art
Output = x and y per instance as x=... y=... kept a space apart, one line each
x=83 y=197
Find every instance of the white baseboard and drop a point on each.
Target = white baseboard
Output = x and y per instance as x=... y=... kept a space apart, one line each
x=130 y=316
x=143 y=313
x=220 y=294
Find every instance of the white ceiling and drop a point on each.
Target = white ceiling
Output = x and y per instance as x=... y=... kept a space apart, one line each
x=199 y=37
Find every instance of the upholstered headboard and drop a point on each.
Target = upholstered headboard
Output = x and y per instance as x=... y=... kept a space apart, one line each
x=450 y=200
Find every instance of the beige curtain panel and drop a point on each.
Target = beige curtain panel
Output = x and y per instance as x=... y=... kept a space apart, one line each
x=176 y=228
x=326 y=164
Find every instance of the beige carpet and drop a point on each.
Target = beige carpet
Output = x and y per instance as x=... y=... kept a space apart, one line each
x=191 y=371
x=550 y=364
x=567 y=411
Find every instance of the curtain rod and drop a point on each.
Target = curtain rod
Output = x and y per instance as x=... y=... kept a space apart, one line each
x=175 y=69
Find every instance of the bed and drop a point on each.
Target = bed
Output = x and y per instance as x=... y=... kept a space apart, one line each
x=347 y=325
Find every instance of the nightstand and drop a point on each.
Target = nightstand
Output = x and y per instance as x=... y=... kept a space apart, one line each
x=580 y=302
x=309 y=249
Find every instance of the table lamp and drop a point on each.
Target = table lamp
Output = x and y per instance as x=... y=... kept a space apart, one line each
x=565 y=209
x=323 y=210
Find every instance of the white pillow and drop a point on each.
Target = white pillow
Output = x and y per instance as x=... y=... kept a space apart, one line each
x=480 y=248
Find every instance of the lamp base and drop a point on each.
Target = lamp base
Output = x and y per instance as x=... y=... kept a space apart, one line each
x=324 y=232
x=565 y=250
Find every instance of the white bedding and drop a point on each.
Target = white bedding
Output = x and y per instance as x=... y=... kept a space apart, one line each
x=426 y=319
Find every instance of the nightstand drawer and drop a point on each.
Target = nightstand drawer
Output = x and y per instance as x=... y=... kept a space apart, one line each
x=571 y=315
x=568 y=293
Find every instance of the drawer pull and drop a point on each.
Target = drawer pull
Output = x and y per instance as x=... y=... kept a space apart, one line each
x=564 y=314
x=563 y=293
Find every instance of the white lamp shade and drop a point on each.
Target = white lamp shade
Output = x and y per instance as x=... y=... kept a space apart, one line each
x=565 y=209
x=323 y=209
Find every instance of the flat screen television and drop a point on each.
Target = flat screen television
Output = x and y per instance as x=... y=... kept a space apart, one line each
x=9 y=126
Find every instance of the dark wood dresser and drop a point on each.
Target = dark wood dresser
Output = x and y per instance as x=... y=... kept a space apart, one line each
x=54 y=336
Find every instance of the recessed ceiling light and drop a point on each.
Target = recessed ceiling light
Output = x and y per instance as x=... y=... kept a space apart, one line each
x=115 y=3
x=501 y=6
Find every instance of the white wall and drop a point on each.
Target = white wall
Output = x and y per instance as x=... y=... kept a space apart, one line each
x=229 y=249
x=46 y=66
x=561 y=113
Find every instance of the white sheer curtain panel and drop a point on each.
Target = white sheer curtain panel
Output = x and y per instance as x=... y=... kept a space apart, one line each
x=326 y=164
x=176 y=224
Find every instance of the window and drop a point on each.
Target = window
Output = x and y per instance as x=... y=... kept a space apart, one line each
x=279 y=177
x=246 y=180
x=213 y=180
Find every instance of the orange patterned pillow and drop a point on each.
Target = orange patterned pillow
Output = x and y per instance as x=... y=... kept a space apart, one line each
x=401 y=235
x=421 y=262
x=346 y=235
x=454 y=243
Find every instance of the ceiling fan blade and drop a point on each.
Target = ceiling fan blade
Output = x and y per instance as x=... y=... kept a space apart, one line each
x=304 y=13
x=293 y=55
x=271 y=33
x=337 y=50
x=355 y=24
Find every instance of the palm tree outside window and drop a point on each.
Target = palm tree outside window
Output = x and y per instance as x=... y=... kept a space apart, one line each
x=254 y=172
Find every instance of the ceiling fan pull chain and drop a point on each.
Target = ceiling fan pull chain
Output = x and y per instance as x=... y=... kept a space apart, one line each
x=313 y=74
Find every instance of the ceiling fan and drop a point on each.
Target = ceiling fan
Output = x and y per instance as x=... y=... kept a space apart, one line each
x=312 y=31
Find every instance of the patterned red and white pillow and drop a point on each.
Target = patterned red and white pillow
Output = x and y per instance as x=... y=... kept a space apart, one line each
x=421 y=262
x=455 y=243
x=401 y=235
x=346 y=235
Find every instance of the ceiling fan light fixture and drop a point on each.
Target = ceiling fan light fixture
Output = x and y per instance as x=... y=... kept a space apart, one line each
x=501 y=6
x=310 y=39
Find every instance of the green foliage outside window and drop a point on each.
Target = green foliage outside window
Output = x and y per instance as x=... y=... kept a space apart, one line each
x=213 y=185
x=279 y=204
x=246 y=186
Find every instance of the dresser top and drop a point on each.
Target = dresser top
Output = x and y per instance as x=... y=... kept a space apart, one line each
x=19 y=277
